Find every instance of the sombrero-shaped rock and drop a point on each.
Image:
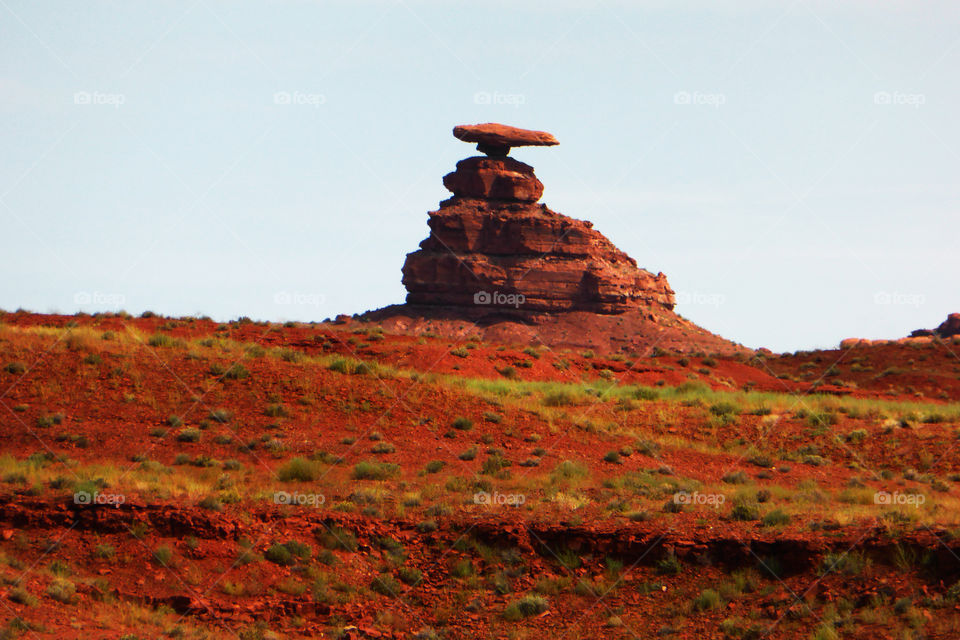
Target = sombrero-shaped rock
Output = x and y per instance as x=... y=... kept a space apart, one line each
x=496 y=139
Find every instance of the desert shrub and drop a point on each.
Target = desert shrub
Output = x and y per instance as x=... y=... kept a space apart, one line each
x=435 y=466
x=162 y=340
x=744 y=511
x=385 y=584
x=49 y=420
x=559 y=398
x=462 y=569
x=188 y=435
x=857 y=436
x=669 y=565
x=279 y=554
x=336 y=537
x=220 y=415
x=22 y=596
x=462 y=424
x=368 y=470
x=494 y=463
x=289 y=355
x=568 y=470
x=707 y=600
x=469 y=454
x=298 y=469
x=850 y=563
x=612 y=457
x=235 y=372
x=427 y=526
x=460 y=352
x=15 y=368
x=63 y=591
x=104 y=552
x=736 y=477
x=383 y=447
x=410 y=576
x=288 y=553
x=163 y=556
x=276 y=410
x=528 y=605
x=776 y=518
x=724 y=409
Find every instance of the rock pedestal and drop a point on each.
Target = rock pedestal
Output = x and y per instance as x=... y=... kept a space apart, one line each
x=494 y=179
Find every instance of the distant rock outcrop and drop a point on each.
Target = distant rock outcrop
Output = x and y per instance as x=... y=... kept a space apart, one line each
x=947 y=329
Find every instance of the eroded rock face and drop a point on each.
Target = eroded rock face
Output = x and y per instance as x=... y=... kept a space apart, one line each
x=523 y=256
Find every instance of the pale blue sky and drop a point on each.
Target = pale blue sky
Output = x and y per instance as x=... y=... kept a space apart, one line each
x=791 y=166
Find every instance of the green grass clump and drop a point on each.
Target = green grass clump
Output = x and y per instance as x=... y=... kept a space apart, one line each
x=706 y=601
x=288 y=553
x=435 y=466
x=528 y=605
x=776 y=518
x=162 y=340
x=163 y=556
x=410 y=576
x=299 y=470
x=337 y=538
x=385 y=584
x=62 y=590
x=462 y=424
x=669 y=565
x=368 y=470
x=189 y=435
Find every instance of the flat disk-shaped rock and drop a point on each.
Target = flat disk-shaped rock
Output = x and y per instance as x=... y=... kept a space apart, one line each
x=500 y=135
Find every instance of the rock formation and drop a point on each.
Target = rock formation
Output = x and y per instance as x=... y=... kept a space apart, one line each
x=947 y=329
x=491 y=244
x=500 y=267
